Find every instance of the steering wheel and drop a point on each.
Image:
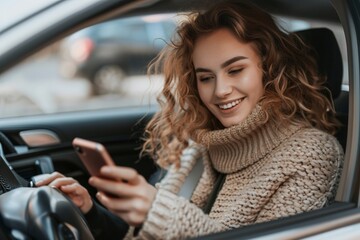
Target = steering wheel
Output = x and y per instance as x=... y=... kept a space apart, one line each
x=42 y=213
x=36 y=213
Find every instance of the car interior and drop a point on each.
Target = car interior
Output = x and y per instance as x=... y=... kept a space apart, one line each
x=329 y=60
x=120 y=130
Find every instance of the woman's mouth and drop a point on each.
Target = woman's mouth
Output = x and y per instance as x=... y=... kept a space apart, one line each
x=230 y=104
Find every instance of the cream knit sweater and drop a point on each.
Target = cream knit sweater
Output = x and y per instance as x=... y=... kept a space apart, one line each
x=271 y=172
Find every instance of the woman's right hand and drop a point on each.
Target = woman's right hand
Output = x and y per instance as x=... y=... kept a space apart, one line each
x=72 y=188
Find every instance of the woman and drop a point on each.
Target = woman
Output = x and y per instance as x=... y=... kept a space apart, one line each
x=245 y=98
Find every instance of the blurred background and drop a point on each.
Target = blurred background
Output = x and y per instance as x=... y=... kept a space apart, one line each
x=102 y=66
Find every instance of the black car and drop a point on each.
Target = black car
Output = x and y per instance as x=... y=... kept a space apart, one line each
x=40 y=141
x=108 y=52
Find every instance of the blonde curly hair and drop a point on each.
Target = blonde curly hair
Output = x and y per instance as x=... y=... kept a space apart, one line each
x=294 y=91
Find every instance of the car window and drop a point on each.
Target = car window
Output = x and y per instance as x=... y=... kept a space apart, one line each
x=102 y=66
x=123 y=30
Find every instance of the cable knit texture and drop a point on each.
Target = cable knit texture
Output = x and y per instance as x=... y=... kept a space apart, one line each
x=271 y=172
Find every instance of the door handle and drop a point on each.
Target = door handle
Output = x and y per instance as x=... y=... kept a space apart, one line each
x=39 y=137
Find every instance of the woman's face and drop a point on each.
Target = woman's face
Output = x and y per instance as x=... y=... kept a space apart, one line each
x=229 y=76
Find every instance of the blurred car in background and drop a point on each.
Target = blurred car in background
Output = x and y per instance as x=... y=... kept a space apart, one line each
x=108 y=52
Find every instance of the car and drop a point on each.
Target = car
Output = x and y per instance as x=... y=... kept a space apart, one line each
x=38 y=140
x=108 y=52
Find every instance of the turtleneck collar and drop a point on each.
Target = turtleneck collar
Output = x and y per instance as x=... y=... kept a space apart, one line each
x=234 y=148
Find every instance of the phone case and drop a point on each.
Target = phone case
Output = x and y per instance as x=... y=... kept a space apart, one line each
x=92 y=154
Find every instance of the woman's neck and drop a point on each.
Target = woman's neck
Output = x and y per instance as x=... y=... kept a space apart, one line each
x=239 y=146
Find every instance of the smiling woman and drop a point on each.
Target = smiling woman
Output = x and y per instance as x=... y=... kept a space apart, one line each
x=250 y=97
x=229 y=76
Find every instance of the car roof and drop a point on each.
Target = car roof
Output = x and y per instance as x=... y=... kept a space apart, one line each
x=309 y=9
x=19 y=10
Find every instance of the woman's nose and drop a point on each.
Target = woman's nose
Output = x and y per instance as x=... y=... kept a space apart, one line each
x=222 y=88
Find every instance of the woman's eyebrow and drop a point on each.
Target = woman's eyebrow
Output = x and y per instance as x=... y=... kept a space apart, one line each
x=231 y=60
x=223 y=65
x=197 y=70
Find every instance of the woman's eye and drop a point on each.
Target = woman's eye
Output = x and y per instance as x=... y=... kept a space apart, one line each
x=235 y=71
x=205 y=78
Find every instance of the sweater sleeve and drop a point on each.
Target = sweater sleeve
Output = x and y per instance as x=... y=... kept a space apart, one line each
x=104 y=225
x=176 y=218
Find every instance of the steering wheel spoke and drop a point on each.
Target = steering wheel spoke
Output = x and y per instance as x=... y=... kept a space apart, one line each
x=9 y=179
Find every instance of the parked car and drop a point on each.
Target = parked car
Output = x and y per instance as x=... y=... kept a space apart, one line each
x=41 y=143
x=108 y=52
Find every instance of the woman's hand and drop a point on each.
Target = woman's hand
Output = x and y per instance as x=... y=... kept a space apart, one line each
x=125 y=193
x=69 y=186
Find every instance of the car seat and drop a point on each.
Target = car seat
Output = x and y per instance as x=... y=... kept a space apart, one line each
x=328 y=56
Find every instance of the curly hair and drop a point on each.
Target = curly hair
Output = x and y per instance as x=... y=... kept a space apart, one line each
x=294 y=90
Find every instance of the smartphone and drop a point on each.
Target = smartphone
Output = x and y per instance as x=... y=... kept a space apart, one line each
x=92 y=154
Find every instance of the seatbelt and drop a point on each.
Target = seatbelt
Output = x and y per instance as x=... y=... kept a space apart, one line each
x=214 y=193
x=192 y=180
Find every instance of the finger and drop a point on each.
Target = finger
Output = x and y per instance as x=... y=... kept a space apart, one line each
x=113 y=203
x=133 y=211
x=75 y=193
x=120 y=173
x=123 y=204
x=71 y=189
x=79 y=195
x=116 y=188
x=62 y=182
x=50 y=178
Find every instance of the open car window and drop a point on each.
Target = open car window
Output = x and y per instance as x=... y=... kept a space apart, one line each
x=101 y=66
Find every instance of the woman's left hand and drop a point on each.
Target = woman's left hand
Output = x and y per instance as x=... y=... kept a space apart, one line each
x=125 y=193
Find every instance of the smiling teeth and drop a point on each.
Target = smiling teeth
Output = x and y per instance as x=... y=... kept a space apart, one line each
x=230 y=105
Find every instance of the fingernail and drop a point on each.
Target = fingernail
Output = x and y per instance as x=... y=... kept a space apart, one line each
x=39 y=182
x=91 y=180
x=98 y=195
x=105 y=169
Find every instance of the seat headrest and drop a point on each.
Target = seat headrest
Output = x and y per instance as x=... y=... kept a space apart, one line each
x=329 y=60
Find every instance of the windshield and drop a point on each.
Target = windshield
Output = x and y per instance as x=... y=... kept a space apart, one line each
x=14 y=11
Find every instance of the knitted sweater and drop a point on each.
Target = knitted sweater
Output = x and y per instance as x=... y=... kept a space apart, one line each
x=271 y=172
